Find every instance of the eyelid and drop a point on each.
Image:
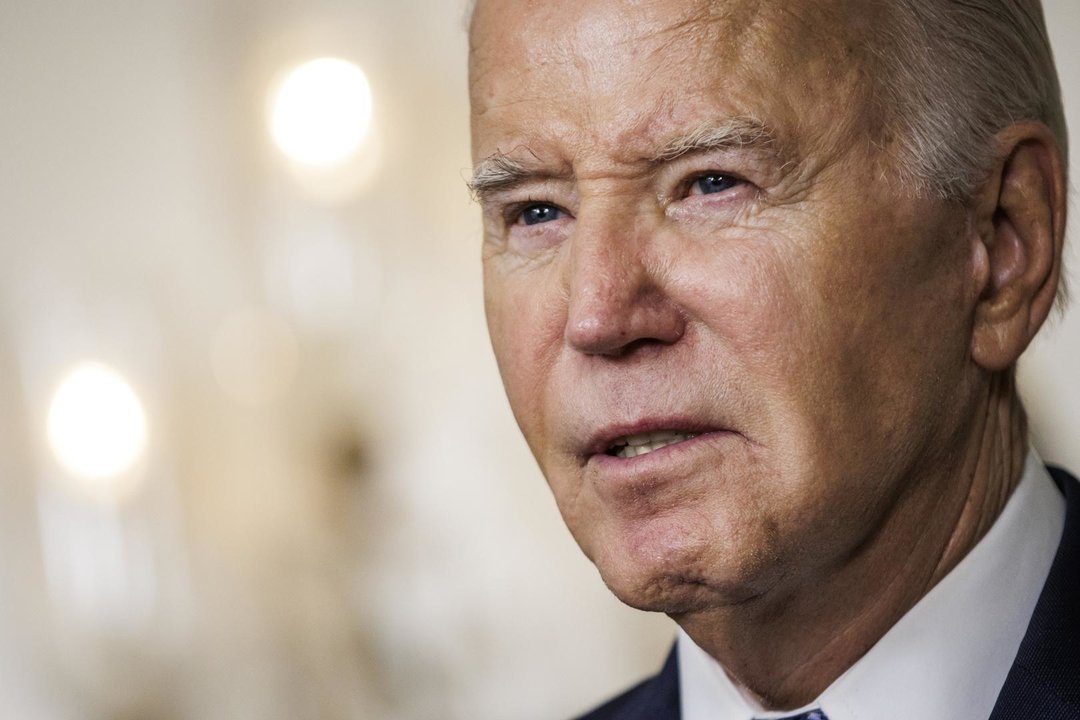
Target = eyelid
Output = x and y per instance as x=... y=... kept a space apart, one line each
x=513 y=213
x=692 y=181
x=674 y=178
x=682 y=184
x=505 y=201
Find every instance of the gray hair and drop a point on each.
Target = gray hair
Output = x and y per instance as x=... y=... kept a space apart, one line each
x=954 y=73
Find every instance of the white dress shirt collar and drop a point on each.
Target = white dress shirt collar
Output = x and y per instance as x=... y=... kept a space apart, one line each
x=948 y=657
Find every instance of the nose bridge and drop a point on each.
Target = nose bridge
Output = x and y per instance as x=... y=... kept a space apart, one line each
x=607 y=263
x=616 y=294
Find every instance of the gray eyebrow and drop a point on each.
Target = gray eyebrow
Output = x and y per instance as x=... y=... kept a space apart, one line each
x=497 y=172
x=500 y=171
x=736 y=132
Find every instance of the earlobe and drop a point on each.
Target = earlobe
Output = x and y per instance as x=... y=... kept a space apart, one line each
x=1020 y=221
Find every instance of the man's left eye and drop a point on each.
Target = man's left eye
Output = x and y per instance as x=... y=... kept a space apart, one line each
x=713 y=183
x=538 y=213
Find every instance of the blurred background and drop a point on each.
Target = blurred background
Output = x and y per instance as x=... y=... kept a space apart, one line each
x=255 y=461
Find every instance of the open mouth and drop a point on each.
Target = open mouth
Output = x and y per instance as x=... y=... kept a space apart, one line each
x=633 y=445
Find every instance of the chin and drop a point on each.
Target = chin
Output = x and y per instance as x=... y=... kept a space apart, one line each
x=668 y=594
x=668 y=572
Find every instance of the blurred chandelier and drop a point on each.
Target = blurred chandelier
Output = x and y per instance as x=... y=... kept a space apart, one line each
x=321 y=112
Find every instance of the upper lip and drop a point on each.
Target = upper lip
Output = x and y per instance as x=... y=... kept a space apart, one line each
x=603 y=439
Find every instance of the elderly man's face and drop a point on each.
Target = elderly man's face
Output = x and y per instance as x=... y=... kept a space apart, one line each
x=729 y=336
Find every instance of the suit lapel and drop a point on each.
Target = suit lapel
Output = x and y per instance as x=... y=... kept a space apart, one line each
x=655 y=699
x=1044 y=681
x=662 y=700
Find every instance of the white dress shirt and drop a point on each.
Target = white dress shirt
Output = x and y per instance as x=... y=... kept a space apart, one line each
x=948 y=657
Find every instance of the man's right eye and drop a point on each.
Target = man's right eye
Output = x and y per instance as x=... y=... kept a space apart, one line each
x=539 y=213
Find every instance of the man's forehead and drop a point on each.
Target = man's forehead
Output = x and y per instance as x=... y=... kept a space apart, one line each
x=556 y=28
x=731 y=59
x=520 y=49
x=545 y=34
x=531 y=53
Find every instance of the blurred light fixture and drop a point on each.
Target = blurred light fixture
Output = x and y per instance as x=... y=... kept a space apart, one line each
x=96 y=424
x=321 y=112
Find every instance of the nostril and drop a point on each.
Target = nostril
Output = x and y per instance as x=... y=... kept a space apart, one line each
x=636 y=326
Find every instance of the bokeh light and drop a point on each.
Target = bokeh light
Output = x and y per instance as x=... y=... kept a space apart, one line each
x=321 y=112
x=96 y=423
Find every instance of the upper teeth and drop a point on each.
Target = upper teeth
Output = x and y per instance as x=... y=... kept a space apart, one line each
x=634 y=445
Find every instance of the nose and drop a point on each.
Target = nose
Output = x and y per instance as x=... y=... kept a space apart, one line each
x=617 y=287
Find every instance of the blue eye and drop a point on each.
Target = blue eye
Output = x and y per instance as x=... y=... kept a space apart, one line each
x=540 y=213
x=714 y=183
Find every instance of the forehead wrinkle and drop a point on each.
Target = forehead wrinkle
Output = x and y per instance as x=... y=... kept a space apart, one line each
x=630 y=133
x=836 y=32
x=769 y=41
x=711 y=27
x=711 y=32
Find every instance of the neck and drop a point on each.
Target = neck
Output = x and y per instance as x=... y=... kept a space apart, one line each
x=785 y=651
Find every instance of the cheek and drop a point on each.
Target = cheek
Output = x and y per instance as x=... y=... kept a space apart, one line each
x=841 y=341
x=747 y=297
x=523 y=317
x=891 y=322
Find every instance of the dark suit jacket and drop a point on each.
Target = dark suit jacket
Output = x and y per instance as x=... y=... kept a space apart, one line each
x=1043 y=684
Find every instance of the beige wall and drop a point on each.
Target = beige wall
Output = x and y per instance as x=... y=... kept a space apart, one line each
x=371 y=541
x=1050 y=372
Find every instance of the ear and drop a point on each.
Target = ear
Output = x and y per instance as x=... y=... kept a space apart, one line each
x=1020 y=222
